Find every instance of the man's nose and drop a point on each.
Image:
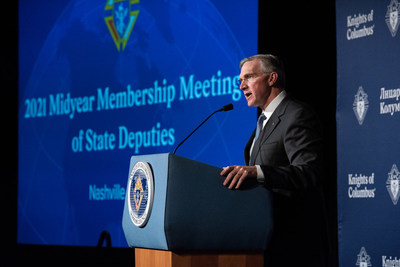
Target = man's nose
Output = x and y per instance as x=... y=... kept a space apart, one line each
x=243 y=85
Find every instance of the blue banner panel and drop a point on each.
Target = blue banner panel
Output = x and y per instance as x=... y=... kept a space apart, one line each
x=368 y=131
x=100 y=81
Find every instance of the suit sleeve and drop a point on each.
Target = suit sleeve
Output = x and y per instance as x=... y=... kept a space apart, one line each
x=303 y=146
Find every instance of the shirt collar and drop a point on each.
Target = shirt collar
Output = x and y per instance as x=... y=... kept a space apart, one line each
x=274 y=104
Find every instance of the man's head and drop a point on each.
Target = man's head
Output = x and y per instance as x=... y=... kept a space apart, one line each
x=262 y=78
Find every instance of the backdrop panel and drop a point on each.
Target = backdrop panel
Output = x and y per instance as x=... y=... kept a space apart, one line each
x=368 y=131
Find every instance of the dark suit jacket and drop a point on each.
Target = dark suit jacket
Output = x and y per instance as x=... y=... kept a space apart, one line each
x=289 y=151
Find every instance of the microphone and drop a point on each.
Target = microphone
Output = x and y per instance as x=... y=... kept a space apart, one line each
x=224 y=108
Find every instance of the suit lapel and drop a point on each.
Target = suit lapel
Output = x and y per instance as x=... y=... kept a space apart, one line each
x=247 y=148
x=268 y=129
x=264 y=134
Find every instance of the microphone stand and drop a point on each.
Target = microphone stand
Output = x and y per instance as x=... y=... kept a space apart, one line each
x=224 y=108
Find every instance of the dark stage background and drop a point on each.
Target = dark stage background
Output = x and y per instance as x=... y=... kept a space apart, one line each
x=303 y=35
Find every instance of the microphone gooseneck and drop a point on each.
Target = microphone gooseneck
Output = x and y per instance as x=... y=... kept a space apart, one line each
x=224 y=108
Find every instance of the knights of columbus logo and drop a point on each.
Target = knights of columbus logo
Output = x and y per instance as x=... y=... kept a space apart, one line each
x=121 y=20
x=393 y=183
x=138 y=193
x=392 y=17
x=360 y=105
x=363 y=259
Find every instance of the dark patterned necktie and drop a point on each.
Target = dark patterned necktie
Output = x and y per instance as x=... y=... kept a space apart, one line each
x=260 y=123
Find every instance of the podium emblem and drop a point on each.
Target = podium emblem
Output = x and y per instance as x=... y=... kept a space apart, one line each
x=141 y=191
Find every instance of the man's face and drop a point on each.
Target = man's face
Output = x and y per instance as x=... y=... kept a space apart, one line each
x=254 y=84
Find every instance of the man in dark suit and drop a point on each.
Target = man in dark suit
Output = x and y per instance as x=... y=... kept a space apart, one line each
x=284 y=154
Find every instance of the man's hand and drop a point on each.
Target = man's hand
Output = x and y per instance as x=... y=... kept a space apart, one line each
x=235 y=175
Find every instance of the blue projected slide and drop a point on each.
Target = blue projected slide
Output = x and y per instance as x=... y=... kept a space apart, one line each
x=100 y=81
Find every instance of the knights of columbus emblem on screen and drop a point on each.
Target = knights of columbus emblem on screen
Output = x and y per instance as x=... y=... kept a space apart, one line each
x=120 y=18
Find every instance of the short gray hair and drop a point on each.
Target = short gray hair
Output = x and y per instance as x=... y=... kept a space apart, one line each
x=269 y=63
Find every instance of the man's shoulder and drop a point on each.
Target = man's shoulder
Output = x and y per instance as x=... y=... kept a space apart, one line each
x=293 y=105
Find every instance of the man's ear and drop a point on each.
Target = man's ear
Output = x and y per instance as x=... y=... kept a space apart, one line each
x=273 y=77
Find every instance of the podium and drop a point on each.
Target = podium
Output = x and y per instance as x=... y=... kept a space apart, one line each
x=191 y=217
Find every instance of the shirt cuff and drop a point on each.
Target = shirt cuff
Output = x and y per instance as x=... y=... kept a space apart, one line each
x=260 y=175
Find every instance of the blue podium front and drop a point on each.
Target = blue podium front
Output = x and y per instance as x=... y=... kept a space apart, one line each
x=186 y=208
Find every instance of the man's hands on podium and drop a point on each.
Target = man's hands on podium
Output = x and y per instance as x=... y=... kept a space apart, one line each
x=235 y=175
